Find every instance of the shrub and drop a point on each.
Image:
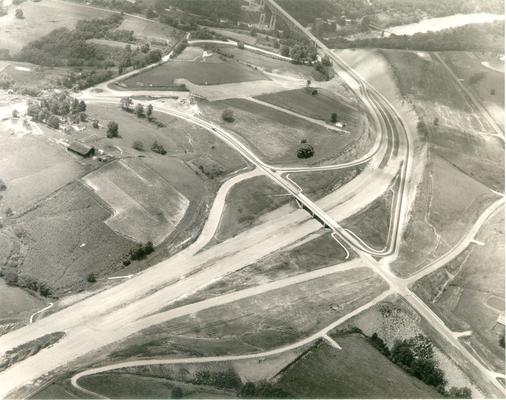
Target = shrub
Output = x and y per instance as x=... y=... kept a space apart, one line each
x=19 y=13
x=228 y=115
x=158 y=148
x=305 y=150
x=139 y=110
x=94 y=124
x=91 y=277
x=53 y=121
x=3 y=186
x=333 y=118
x=112 y=129
x=138 y=145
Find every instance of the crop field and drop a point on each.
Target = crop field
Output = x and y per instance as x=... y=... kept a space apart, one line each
x=261 y=322
x=247 y=202
x=39 y=19
x=319 y=184
x=448 y=202
x=324 y=372
x=276 y=135
x=316 y=251
x=88 y=245
x=485 y=82
x=25 y=161
x=319 y=106
x=464 y=301
x=145 y=206
x=200 y=73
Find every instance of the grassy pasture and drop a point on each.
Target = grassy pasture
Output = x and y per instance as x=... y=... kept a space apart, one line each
x=151 y=30
x=88 y=245
x=146 y=207
x=199 y=73
x=318 y=184
x=320 y=106
x=130 y=386
x=275 y=135
x=34 y=76
x=39 y=19
x=261 y=322
x=246 y=203
x=17 y=304
x=27 y=160
x=181 y=139
x=324 y=372
x=373 y=223
x=479 y=277
x=267 y=63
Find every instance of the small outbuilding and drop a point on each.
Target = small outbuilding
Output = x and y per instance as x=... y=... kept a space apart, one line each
x=82 y=149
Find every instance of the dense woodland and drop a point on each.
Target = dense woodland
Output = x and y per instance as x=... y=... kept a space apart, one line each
x=483 y=37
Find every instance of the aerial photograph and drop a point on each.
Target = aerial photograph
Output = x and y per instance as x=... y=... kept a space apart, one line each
x=260 y=199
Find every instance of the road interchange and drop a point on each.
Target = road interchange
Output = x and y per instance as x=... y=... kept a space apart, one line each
x=389 y=123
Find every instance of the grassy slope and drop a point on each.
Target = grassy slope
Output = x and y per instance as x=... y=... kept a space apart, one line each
x=319 y=106
x=246 y=203
x=318 y=184
x=260 y=322
x=357 y=371
x=314 y=253
x=479 y=276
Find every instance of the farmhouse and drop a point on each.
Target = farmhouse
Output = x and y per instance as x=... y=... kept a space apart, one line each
x=82 y=149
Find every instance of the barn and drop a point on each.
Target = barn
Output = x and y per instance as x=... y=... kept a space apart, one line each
x=82 y=149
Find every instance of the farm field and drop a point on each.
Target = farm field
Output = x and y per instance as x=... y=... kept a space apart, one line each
x=246 y=203
x=318 y=184
x=316 y=251
x=63 y=262
x=209 y=72
x=145 y=206
x=465 y=292
x=484 y=82
x=447 y=203
x=260 y=322
x=275 y=135
x=319 y=106
x=28 y=159
x=324 y=372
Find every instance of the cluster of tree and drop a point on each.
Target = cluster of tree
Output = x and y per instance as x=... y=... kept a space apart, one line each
x=305 y=150
x=473 y=37
x=211 y=9
x=416 y=357
x=84 y=79
x=185 y=23
x=220 y=379
x=141 y=251
x=262 y=390
x=54 y=107
x=24 y=281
